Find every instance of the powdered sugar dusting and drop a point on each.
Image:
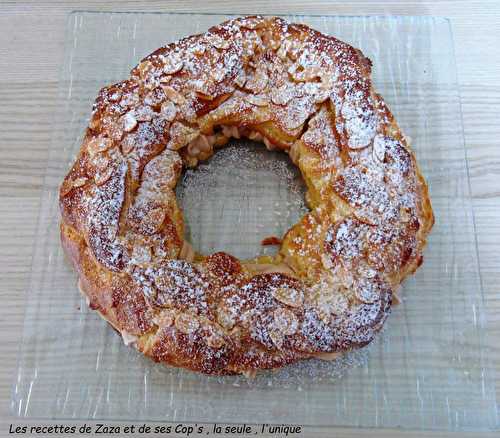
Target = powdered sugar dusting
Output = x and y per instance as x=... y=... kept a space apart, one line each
x=294 y=89
x=253 y=189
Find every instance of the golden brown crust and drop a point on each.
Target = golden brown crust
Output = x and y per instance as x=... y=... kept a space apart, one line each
x=330 y=288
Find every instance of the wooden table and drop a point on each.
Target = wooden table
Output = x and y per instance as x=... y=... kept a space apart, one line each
x=31 y=49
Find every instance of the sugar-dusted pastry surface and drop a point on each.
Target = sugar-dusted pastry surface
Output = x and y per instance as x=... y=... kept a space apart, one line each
x=330 y=288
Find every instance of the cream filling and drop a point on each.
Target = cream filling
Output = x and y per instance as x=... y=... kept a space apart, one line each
x=204 y=144
x=128 y=339
x=328 y=356
x=80 y=288
x=267 y=268
x=187 y=252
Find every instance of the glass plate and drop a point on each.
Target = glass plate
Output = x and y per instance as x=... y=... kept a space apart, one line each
x=428 y=369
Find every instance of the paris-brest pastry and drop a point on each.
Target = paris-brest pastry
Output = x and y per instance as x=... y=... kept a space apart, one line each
x=330 y=288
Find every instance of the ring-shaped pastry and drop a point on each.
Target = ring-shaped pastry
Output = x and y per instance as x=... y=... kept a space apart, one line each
x=330 y=288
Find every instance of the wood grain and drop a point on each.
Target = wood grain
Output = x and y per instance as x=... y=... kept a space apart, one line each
x=31 y=49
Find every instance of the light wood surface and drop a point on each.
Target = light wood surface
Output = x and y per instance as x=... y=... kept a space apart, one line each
x=31 y=49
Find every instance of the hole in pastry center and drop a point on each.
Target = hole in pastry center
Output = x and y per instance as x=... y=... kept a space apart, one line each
x=240 y=196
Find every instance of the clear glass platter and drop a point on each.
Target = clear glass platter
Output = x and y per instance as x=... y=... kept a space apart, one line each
x=428 y=369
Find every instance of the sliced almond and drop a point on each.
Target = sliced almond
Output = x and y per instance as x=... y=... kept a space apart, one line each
x=218 y=42
x=328 y=301
x=130 y=99
x=115 y=96
x=168 y=110
x=128 y=144
x=144 y=68
x=164 y=283
x=204 y=94
x=285 y=321
x=165 y=318
x=186 y=323
x=102 y=177
x=79 y=182
x=218 y=74
x=165 y=79
x=338 y=304
x=252 y=23
x=282 y=95
x=95 y=122
x=290 y=296
x=101 y=162
x=379 y=146
x=367 y=271
x=250 y=45
x=368 y=292
x=114 y=128
x=225 y=318
x=141 y=254
x=277 y=338
x=321 y=96
x=241 y=78
x=143 y=113
x=172 y=63
x=310 y=73
x=316 y=90
x=270 y=40
x=361 y=131
x=111 y=231
x=99 y=144
x=297 y=112
x=154 y=218
x=129 y=122
x=257 y=99
x=295 y=50
x=181 y=135
x=283 y=50
x=257 y=82
x=173 y=94
x=199 y=49
x=68 y=186
x=215 y=340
